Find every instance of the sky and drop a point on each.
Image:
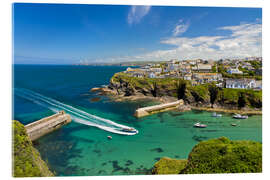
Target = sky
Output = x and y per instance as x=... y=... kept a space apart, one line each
x=73 y=33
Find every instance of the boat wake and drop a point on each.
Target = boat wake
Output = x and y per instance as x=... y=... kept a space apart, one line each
x=76 y=114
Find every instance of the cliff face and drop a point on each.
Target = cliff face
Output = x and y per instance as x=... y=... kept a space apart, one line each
x=216 y=156
x=27 y=161
x=206 y=94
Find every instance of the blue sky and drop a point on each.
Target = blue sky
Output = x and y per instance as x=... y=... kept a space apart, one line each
x=67 y=34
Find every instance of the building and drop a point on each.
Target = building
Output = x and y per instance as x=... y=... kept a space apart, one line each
x=159 y=70
x=151 y=75
x=241 y=83
x=207 y=77
x=204 y=68
x=234 y=71
x=188 y=77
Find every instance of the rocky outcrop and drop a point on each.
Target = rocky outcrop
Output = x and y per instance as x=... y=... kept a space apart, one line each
x=215 y=156
x=27 y=161
x=123 y=85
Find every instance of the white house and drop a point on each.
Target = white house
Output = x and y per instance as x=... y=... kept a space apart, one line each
x=241 y=83
x=188 y=76
x=234 y=71
x=204 y=67
x=152 y=75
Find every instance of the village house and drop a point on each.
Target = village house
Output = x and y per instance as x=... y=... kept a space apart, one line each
x=240 y=83
x=152 y=75
x=159 y=70
x=207 y=77
x=204 y=68
x=187 y=77
x=234 y=71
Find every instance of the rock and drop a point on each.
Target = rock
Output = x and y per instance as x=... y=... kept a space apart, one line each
x=95 y=89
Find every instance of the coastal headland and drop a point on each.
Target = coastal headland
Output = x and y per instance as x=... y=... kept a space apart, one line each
x=207 y=97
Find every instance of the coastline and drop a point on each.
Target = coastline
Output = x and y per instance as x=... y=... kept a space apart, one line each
x=114 y=96
x=237 y=111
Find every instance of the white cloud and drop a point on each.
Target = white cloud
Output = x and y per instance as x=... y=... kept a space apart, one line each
x=242 y=41
x=180 y=28
x=136 y=13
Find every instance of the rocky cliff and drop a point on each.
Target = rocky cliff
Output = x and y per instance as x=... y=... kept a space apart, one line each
x=207 y=94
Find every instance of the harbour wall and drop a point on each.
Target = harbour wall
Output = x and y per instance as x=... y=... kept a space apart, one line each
x=145 y=111
x=46 y=125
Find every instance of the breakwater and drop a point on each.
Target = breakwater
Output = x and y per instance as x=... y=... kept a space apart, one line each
x=46 y=125
x=145 y=111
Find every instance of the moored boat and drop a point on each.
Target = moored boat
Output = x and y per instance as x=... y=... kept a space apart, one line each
x=109 y=137
x=199 y=125
x=239 y=116
x=234 y=124
x=216 y=115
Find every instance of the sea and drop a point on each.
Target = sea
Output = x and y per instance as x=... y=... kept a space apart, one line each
x=82 y=148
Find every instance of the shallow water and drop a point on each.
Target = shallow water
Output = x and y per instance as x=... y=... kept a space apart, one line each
x=77 y=149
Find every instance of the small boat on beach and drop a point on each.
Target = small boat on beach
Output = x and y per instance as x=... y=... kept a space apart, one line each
x=199 y=125
x=239 y=116
x=216 y=115
x=109 y=137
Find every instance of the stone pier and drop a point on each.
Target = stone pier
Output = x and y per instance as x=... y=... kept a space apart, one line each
x=158 y=108
x=46 y=125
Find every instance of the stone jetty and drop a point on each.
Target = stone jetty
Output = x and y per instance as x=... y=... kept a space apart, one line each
x=46 y=125
x=145 y=111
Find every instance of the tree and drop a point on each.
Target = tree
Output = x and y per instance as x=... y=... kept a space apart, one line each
x=154 y=89
x=181 y=86
x=213 y=90
x=242 y=100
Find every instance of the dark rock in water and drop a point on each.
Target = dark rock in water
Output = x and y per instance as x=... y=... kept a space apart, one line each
x=159 y=150
x=97 y=151
x=176 y=156
x=158 y=158
x=199 y=138
x=103 y=164
x=101 y=171
x=143 y=171
x=128 y=163
x=95 y=99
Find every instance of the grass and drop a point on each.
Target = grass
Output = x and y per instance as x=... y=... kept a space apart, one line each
x=169 y=166
x=26 y=159
x=215 y=156
x=225 y=156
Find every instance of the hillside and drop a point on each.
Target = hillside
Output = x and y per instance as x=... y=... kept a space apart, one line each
x=217 y=156
x=207 y=94
x=26 y=159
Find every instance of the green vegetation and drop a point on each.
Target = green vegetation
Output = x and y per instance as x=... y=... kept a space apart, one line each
x=246 y=74
x=214 y=69
x=225 y=156
x=182 y=89
x=240 y=97
x=169 y=166
x=216 y=156
x=213 y=90
x=26 y=159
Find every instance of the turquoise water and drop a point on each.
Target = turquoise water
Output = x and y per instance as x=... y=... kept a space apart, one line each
x=78 y=149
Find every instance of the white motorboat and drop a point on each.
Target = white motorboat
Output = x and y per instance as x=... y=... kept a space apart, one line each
x=239 y=116
x=216 y=115
x=131 y=130
x=199 y=125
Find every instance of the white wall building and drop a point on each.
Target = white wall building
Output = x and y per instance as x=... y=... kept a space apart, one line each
x=241 y=83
